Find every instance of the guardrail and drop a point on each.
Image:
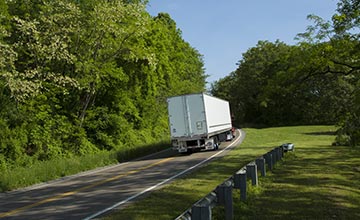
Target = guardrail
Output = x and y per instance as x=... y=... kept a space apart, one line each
x=222 y=194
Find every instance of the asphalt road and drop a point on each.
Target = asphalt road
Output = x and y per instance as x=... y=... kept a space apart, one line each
x=91 y=194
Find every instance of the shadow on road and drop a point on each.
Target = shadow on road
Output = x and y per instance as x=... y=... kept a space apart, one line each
x=169 y=152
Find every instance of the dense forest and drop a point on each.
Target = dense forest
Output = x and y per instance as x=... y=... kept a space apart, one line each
x=83 y=76
x=316 y=81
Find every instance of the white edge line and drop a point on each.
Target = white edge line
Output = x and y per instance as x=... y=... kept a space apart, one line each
x=159 y=184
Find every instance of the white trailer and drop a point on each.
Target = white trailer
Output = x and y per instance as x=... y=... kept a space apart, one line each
x=198 y=121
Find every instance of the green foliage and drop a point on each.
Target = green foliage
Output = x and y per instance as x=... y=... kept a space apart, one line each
x=79 y=77
x=15 y=176
x=276 y=84
x=349 y=132
x=341 y=60
x=347 y=20
x=314 y=82
x=11 y=144
x=42 y=171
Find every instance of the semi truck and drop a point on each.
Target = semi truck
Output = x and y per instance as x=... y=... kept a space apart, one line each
x=198 y=122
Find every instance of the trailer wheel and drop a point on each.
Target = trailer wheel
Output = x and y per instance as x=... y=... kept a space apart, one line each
x=216 y=143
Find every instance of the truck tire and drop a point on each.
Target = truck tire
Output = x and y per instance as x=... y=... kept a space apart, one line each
x=216 y=143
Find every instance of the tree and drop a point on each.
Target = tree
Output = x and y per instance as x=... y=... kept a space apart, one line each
x=343 y=61
x=276 y=84
x=346 y=21
x=80 y=76
x=41 y=48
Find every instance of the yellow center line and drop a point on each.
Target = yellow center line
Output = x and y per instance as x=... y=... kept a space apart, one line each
x=70 y=193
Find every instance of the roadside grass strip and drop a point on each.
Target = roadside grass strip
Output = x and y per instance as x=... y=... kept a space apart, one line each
x=316 y=181
x=40 y=172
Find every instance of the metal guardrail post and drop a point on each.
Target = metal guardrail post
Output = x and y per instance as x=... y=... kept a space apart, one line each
x=268 y=159
x=242 y=176
x=260 y=163
x=200 y=212
x=201 y=209
x=240 y=183
x=251 y=168
x=274 y=157
x=224 y=196
x=281 y=151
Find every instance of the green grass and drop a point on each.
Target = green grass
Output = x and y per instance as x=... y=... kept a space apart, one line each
x=43 y=171
x=317 y=181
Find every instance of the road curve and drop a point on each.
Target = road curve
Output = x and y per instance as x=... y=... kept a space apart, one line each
x=91 y=194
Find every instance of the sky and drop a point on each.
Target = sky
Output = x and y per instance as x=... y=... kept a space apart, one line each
x=223 y=30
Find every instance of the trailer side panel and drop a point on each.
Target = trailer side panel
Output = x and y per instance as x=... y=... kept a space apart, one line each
x=217 y=114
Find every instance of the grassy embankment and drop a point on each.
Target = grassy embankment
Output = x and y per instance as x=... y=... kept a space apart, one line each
x=42 y=171
x=317 y=181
